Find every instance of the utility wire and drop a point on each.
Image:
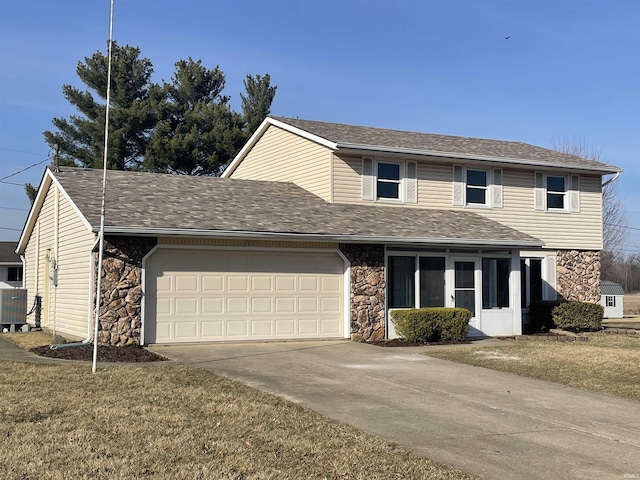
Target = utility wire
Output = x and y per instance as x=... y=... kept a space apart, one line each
x=20 y=151
x=13 y=229
x=12 y=208
x=24 y=169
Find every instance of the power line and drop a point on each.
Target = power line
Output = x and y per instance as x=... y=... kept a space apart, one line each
x=12 y=208
x=24 y=169
x=13 y=229
x=12 y=183
x=20 y=151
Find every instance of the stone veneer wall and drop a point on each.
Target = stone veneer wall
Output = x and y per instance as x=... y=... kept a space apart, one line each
x=578 y=275
x=120 y=310
x=367 y=291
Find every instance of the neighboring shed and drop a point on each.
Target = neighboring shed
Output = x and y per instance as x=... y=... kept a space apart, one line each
x=10 y=265
x=612 y=299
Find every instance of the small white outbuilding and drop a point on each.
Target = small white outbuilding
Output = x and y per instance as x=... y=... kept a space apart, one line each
x=612 y=299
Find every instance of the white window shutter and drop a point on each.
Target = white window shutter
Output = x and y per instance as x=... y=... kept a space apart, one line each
x=458 y=185
x=549 y=279
x=412 y=182
x=496 y=187
x=539 y=190
x=574 y=194
x=367 y=178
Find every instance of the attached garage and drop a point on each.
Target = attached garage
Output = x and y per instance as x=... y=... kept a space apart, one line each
x=195 y=295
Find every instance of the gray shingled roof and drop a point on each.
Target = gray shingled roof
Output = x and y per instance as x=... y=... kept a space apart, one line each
x=610 y=288
x=142 y=201
x=351 y=136
x=8 y=253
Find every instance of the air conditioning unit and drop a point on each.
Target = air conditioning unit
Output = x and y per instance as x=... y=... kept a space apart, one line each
x=13 y=306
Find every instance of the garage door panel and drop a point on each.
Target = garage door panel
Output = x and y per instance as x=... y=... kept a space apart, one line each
x=261 y=305
x=211 y=330
x=237 y=305
x=186 y=283
x=213 y=305
x=237 y=328
x=238 y=284
x=186 y=306
x=285 y=284
x=285 y=305
x=185 y=330
x=212 y=283
x=261 y=283
x=308 y=326
x=207 y=295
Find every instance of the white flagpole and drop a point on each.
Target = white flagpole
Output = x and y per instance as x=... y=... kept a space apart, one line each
x=104 y=195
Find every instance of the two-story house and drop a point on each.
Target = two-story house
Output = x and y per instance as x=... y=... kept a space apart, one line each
x=319 y=230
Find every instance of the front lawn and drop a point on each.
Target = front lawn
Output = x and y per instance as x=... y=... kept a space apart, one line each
x=62 y=422
x=606 y=364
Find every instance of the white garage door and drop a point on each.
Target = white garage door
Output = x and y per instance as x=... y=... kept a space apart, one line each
x=204 y=295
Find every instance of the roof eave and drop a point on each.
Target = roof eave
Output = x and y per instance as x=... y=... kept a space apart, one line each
x=357 y=148
x=314 y=237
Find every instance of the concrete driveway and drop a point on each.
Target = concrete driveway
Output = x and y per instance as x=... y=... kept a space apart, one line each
x=493 y=424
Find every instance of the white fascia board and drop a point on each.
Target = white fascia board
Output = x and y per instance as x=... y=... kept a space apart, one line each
x=45 y=184
x=311 y=237
x=357 y=148
x=266 y=123
x=11 y=264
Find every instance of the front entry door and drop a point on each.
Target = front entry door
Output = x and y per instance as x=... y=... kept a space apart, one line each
x=465 y=282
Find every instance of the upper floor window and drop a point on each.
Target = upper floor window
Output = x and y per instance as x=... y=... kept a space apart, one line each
x=556 y=193
x=388 y=181
x=476 y=191
x=475 y=187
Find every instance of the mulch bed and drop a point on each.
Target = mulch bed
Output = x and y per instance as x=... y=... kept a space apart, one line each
x=107 y=353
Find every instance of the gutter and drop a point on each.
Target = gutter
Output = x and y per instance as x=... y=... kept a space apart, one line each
x=150 y=231
x=611 y=180
x=503 y=160
x=87 y=340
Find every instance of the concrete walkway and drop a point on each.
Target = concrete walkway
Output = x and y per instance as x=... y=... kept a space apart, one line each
x=496 y=425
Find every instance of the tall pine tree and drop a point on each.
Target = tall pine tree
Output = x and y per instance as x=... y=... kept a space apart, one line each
x=186 y=126
x=132 y=116
x=197 y=132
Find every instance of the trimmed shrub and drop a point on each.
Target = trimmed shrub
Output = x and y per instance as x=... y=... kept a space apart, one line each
x=432 y=324
x=541 y=314
x=578 y=316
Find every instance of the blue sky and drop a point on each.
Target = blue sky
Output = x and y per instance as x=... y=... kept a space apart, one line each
x=569 y=69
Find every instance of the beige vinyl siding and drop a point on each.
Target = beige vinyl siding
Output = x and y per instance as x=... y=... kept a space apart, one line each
x=68 y=303
x=74 y=271
x=559 y=230
x=285 y=157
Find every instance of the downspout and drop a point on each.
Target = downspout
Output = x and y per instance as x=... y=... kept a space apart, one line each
x=87 y=340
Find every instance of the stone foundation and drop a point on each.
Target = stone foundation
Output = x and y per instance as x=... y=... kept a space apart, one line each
x=367 y=291
x=120 y=309
x=578 y=275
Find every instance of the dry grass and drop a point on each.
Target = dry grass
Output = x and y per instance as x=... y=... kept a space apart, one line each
x=62 y=422
x=29 y=340
x=607 y=363
x=632 y=303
